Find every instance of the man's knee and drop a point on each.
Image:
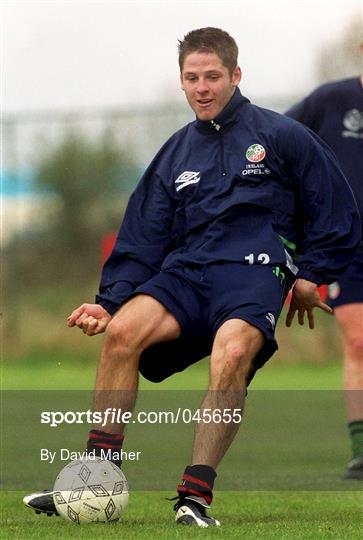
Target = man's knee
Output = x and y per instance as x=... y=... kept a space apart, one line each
x=229 y=369
x=141 y=322
x=121 y=335
x=235 y=347
x=236 y=355
x=355 y=348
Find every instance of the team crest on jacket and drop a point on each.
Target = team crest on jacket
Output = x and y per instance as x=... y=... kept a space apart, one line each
x=186 y=178
x=353 y=123
x=255 y=153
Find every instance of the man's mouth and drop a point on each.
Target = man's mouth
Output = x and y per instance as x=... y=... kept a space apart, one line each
x=204 y=103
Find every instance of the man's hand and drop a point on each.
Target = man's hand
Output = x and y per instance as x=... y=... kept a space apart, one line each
x=305 y=297
x=92 y=319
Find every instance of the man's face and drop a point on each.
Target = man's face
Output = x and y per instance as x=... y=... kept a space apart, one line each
x=207 y=84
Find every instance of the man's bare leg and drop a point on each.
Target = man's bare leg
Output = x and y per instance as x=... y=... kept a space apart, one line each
x=350 y=320
x=235 y=346
x=140 y=323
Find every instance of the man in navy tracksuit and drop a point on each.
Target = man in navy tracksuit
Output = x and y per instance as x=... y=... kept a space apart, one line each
x=233 y=209
x=335 y=112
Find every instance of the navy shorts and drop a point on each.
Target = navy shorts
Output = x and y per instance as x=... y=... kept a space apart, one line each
x=349 y=288
x=202 y=298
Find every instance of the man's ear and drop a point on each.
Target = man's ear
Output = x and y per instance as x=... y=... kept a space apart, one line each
x=236 y=76
x=181 y=82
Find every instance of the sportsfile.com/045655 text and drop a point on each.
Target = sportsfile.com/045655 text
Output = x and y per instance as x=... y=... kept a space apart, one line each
x=117 y=416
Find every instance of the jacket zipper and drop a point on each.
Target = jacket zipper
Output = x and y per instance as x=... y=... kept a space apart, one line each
x=218 y=128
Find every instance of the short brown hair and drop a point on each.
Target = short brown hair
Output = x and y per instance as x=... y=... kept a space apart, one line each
x=210 y=40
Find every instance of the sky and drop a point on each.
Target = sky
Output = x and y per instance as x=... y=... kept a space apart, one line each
x=74 y=54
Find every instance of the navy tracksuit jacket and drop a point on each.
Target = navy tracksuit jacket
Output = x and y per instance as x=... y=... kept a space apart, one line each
x=251 y=181
x=335 y=112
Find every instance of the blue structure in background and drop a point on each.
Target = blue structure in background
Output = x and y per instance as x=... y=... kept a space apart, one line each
x=23 y=182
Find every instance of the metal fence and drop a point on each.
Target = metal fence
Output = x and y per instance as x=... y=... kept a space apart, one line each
x=26 y=136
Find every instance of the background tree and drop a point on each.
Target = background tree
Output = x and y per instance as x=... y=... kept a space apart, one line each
x=51 y=268
x=90 y=180
x=342 y=58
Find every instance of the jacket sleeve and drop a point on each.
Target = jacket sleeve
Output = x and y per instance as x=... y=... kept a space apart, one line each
x=144 y=240
x=329 y=224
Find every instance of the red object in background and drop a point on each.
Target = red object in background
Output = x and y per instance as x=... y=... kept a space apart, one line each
x=107 y=243
x=323 y=291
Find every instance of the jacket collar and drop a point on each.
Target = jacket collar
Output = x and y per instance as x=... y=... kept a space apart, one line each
x=226 y=116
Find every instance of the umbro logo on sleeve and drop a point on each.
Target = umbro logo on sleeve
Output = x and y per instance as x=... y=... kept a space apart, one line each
x=186 y=178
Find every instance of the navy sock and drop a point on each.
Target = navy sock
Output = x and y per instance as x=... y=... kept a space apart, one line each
x=356 y=437
x=105 y=445
x=198 y=480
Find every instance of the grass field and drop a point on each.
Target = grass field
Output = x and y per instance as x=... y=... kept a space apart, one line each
x=288 y=458
x=243 y=515
x=56 y=370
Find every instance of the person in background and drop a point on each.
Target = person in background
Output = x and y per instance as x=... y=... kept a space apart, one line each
x=334 y=111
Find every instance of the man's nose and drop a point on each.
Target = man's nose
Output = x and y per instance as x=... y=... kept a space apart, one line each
x=202 y=86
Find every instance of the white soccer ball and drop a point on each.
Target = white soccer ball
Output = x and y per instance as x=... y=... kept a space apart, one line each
x=91 y=490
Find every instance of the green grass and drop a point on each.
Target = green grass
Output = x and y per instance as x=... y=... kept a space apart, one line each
x=288 y=440
x=69 y=371
x=243 y=515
